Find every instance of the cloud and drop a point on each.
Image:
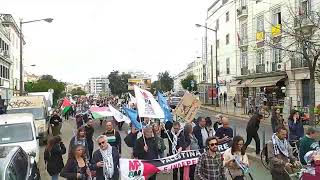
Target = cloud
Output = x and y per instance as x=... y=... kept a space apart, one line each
x=89 y=38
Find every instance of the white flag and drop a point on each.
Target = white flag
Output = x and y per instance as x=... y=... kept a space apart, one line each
x=147 y=105
x=132 y=99
x=118 y=115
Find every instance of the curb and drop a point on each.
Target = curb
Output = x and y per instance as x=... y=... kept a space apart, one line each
x=230 y=115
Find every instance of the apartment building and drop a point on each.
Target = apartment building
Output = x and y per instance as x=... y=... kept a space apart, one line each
x=221 y=17
x=5 y=61
x=266 y=67
x=97 y=85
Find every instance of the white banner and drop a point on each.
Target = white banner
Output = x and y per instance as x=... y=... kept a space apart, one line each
x=147 y=105
x=118 y=115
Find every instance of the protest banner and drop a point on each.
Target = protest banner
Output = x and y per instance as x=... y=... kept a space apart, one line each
x=188 y=107
x=132 y=169
x=147 y=105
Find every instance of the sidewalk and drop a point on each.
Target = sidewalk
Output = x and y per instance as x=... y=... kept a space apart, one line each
x=230 y=110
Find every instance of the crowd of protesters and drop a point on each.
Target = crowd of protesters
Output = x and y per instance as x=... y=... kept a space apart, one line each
x=103 y=164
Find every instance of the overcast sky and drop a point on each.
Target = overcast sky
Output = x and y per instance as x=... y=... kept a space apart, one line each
x=93 y=37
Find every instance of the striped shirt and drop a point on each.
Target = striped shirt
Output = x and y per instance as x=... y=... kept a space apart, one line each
x=209 y=167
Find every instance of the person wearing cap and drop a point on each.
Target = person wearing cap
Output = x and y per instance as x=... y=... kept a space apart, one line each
x=308 y=143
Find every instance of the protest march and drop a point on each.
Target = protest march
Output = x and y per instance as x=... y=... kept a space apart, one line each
x=167 y=140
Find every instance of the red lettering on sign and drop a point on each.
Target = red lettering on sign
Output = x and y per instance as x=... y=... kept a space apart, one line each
x=134 y=165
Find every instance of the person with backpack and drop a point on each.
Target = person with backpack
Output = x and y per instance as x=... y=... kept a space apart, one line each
x=279 y=156
x=53 y=156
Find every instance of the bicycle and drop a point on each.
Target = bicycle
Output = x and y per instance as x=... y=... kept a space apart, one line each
x=265 y=161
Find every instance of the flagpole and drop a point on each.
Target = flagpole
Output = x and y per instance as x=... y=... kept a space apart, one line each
x=144 y=139
x=168 y=135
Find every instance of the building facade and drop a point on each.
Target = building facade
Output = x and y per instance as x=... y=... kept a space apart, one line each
x=98 y=85
x=221 y=17
x=267 y=68
x=6 y=61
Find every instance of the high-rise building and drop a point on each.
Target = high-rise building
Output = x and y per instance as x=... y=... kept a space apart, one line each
x=98 y=85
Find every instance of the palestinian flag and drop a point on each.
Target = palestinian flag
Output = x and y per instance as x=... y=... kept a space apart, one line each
x=66 y=105
x=100 y=112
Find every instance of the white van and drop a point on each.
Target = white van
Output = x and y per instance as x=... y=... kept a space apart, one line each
x=20 y=130
x=35 y=105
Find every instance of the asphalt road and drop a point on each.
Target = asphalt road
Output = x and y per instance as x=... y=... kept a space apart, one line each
x=239 y=126
x=68 y=127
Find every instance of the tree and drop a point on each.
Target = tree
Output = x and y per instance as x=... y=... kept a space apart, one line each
x=163 y=84
x=300 y=36
x=78 y=91
x=45 y=83
x=118 y=82
x=186 y=83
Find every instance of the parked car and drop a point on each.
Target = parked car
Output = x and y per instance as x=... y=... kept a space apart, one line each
x=16 y=164
x=20 y=130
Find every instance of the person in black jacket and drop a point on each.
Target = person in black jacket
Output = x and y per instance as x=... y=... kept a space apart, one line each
x=252 y=132
x=131 y=138
x=53 y=156
x=147 y=149
x=77 y=166
x=55 y=122
x=114 y=138
x=176 y=144
x=201 y=133
x=105 y=160
x=89 y=134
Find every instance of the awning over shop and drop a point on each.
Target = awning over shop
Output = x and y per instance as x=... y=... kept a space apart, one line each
x=246 y=83
x=266 y=81
x=234 y=83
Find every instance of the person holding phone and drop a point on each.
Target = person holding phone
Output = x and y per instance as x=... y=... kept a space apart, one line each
x=105 y=160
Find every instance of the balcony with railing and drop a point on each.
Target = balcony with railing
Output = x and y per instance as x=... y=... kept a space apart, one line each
x=298 y=63
x=242 y=12
x=244 y=70
x=305 y=22
x=261 y=68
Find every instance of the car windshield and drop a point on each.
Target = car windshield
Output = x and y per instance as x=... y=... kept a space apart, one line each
x=38 y=113
x=14 y=133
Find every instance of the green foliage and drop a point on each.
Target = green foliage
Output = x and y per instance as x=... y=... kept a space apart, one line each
x=45 y=83
x=78 y=91
x=163 y=84
x=186 y=83
x=118 y=82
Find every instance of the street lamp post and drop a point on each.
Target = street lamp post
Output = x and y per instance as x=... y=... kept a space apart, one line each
x=216 y=59
x=49 y=20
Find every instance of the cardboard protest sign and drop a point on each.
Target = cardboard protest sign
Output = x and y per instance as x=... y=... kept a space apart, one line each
x=188 y=107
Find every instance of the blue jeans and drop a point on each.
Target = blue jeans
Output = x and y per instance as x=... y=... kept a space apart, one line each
x=55 y=177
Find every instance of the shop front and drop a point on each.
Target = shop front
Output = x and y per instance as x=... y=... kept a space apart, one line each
x=262 y=91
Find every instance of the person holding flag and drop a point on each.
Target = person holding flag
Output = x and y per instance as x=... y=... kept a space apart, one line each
x=176 y=144
x=114 y=138
x=146 y=147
